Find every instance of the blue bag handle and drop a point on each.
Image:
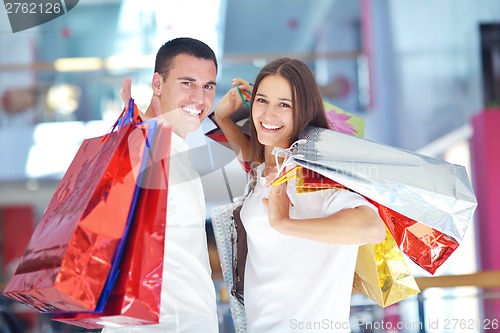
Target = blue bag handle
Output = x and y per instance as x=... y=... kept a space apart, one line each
x=128 y=115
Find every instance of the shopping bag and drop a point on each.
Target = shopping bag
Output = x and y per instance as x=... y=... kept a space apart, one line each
x=429 y=201
x=240 y=117
x=135 y=298
x=344 y=122
x=226 y=239
x=69 y=262
x=382 y=274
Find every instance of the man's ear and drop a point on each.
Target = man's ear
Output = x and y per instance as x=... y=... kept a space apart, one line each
x=157 y=82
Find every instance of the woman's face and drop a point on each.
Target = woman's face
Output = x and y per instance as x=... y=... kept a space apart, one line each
x=272 y=112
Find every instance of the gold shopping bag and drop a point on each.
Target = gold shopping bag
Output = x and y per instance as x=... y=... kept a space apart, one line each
x=382 y=273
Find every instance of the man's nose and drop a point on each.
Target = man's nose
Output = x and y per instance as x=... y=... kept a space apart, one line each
x=198 y=95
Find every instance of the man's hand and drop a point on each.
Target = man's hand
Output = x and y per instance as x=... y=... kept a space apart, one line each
x=126 y=92
x=126 y=95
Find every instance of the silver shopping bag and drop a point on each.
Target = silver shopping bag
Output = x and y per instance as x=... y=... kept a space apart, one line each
x=225 y=238
x=428 y=202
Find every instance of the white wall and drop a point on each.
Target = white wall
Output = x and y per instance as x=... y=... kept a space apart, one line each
x=427 y=67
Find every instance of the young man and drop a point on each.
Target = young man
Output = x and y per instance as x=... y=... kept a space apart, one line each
x=183 y=95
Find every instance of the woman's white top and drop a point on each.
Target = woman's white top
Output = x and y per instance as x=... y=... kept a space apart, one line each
x=188 y=301
x=294 y=284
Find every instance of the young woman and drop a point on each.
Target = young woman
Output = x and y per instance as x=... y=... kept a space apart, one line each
x=302 y=248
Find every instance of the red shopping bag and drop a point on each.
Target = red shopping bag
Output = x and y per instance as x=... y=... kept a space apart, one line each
x=135 y=299
x=68 y=260
x=240 y=117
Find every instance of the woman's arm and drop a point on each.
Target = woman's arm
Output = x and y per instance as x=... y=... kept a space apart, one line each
x=229 y=103
x=358 y=225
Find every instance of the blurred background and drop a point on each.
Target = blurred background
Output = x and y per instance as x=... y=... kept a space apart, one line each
x=424 y=74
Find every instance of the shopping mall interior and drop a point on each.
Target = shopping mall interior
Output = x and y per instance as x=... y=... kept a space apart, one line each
x=422 y=76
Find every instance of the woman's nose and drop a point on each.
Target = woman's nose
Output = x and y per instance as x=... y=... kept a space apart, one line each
x=270 y=111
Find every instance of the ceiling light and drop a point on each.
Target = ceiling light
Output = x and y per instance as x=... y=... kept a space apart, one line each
x=78 y=64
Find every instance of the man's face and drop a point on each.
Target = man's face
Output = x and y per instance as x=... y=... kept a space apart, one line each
x=187 y=93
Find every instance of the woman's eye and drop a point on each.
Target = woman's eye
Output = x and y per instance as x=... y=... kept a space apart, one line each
x=260 y=100
x=285 y=105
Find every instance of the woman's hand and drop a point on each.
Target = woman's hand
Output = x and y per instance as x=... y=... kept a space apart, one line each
x=231 y=101
x=278 y=206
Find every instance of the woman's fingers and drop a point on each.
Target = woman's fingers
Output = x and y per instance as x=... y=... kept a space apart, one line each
x=243 y=84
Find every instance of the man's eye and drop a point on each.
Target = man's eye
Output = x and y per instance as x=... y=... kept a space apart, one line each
x=209 y=87
x=187 y=83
